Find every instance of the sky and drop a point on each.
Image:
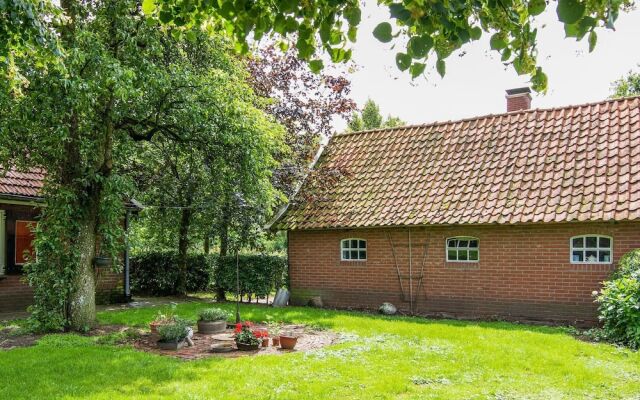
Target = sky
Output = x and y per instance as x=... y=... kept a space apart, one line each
x=475 y=83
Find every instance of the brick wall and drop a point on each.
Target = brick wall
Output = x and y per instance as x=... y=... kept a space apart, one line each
x=524 y=271
x=16 y=296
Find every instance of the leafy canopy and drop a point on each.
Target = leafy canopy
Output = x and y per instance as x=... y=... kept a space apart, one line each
x=371 y=118
x=626 y=86
x=420 y=30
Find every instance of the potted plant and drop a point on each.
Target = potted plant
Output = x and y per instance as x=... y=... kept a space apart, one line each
x=263 y=335
x=274 y=331
x=161 y=318
x=102 y=261
x=246 y=340
x=212 y=320
x=288 y=340
x=173 y=335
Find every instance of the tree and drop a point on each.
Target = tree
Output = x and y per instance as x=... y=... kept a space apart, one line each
x=124 y=82
x=626 y=86
x=423 y=30
x=370 y=118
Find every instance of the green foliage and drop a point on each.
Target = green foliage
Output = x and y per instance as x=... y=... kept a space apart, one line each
x=213 y=314
x=175 y=331
x=260 y=275
x=329 y=26
x=619 y=302
x=371 y=118
x=626 y=86
x=156 y=273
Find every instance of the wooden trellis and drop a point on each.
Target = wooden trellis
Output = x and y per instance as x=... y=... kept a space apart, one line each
x=410 y=295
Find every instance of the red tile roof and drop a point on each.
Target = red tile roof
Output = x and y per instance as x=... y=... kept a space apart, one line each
x=22 y=184
x=576 y=163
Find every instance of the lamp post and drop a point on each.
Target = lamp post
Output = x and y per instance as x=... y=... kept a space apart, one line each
x=237 y=289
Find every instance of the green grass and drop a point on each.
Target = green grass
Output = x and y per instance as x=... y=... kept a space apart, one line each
x=383 y=358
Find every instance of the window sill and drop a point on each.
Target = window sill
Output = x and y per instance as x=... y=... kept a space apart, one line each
x=347 y=263
x=591 y=267
x=462 y=265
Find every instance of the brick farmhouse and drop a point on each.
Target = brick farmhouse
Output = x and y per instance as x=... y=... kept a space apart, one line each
x=20 y=205
x=520 y=215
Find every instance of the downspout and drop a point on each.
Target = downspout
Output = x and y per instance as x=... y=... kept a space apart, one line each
x=127 y=285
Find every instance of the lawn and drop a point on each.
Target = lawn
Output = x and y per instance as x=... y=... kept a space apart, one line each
x=381 y=358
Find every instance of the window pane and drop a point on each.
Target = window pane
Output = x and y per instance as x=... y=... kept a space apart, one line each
x=354 y=254
x=345 y=254
x=463 y=243
x=452 y=255
x=578 y=242
x=363 y=244
x=592 y=241
x=462 y=255
x=473 y=244
x=605 y=256
x=354 y=244
x=473 y=255
x=363 y=255
x=344 y=244
x=605 y=242
x=452 y=243
x=591 y=256
x=577 y=256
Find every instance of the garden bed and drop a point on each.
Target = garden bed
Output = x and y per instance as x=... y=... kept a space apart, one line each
x=308 y=339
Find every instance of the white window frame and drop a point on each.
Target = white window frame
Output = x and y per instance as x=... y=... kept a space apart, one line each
x=585 y=249
x=447 y=248
x=15 y=240
x=349 y=249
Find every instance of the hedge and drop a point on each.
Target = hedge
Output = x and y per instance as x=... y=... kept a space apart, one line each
x=260 y=275
x=156 y=273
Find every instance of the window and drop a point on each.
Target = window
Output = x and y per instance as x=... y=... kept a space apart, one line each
x=353 y=250
x=592 y=249
x=463 y=249
x=24 y=241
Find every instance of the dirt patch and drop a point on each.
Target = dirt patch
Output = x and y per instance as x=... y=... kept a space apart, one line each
x=14 y=336
x=308 y=339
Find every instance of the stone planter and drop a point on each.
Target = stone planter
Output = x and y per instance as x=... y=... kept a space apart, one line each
x=288 y=342
x=171 y=345
x=211 y=327
x=247 y=347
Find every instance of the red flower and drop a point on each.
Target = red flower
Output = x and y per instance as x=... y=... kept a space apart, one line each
x=238 y=328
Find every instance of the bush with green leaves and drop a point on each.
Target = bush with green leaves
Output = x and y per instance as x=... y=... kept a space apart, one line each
x=175 y=331
x=156 y=273
x=260 y=275
x=619 y=302
x=213 y=314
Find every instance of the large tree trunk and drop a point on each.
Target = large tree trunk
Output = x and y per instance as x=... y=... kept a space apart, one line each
x=82 y=302
x=183 y=247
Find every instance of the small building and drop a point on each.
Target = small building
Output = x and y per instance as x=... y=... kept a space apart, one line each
x=20 y=205
x=519 y=215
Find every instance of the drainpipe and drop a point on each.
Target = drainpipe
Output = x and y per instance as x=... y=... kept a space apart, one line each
x=127 y=286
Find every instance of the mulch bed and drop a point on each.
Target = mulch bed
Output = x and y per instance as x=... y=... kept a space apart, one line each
x=12 y=337
x=308 y=339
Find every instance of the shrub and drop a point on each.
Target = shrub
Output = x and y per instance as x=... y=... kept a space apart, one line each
x=213 y=314
x=260 y=275
x=156 y=273
x=619 y=302
x=175 y=331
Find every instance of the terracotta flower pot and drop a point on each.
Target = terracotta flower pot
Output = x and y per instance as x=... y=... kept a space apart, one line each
x=210 y=327
x=247 y=347
x=265 y=342
x=288 y=342
x=275 y=341
x=154 y=327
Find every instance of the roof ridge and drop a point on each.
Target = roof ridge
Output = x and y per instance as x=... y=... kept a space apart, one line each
x=485 y=116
